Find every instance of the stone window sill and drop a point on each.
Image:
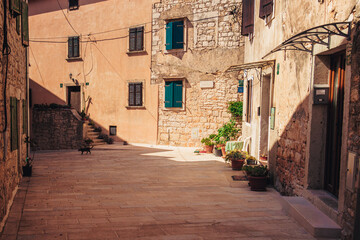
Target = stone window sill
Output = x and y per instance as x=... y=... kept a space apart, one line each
x=74 y=59
x=135 y=107
x=141 y=52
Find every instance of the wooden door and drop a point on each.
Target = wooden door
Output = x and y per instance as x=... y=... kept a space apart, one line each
x=335 y=121
x=74 y=97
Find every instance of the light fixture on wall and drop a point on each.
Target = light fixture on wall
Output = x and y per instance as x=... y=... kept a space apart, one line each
x=73 y=79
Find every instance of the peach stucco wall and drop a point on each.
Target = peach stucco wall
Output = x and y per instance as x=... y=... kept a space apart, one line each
x=105 y=65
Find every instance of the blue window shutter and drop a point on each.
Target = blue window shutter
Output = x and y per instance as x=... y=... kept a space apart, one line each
x=169 y=94
x=169 y=36
x=178 y=86
x=178 y=35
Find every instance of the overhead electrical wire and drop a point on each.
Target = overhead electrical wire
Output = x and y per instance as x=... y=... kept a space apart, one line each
x=62 y=10
x=47 y=39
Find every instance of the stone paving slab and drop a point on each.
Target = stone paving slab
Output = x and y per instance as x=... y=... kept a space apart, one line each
x=142 y=192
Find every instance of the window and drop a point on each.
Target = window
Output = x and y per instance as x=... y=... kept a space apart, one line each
x=248 y=101
x=14 y=123
x=73 y=4
x=175 y=35
x=25 y=24
x=135 y=94
x=112 y=130
x=247 y=18
x=266 y=8
x=173 y=94
x=73 y=47
x=136 y=39
x=25 y=116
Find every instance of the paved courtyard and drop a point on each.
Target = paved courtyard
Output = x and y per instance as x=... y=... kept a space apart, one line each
x=142 y=192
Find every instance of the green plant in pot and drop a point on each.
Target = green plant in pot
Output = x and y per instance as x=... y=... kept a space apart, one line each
x=257 y=176
x=209 y=144
x=237 y=159
x=250 y=160
x=27 y=168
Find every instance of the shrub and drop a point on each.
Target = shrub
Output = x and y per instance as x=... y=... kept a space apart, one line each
x=236 y=109
x=110 y=140
x=228 y=131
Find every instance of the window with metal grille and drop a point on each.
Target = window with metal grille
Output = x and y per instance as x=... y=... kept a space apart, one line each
x=136 y=39
x=135 y=94
x=173 y=94
x=247 y=17
x=73 y=4
x=175 y=35
x=73 y=47
x=266 y=8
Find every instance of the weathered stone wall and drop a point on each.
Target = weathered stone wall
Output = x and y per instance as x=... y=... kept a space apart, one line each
x=353 y=140
x=11 y=161
x=54 y=129
x=213 y=43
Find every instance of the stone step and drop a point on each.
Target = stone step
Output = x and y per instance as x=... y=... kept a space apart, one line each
x=311 y=218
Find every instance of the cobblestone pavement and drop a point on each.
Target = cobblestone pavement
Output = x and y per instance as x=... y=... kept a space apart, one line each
x=142 y=192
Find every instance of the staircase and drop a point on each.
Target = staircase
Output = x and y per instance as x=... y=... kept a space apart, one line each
x=92 y=134
x=312 y=219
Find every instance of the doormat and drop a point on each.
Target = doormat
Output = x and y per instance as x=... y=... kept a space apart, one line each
x=239 y=178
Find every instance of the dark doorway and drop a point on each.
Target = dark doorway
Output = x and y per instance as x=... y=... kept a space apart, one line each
x=74 y=97
x=335 y=121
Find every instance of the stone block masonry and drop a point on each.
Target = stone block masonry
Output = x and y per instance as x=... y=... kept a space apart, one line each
x=13 y=69
x=212 y=43
x=54 y=129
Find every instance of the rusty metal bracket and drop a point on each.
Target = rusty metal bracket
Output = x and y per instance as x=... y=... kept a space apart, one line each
x=304 y=41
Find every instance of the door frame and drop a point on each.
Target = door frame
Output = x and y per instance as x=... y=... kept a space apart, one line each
x=81 y=85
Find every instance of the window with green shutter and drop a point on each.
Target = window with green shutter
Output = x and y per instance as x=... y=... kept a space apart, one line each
x=14 y=123
x=15 y=6
x=136 y=39
x=73 y=47
x=173 y=94
x=175 y=35
x=25 y=23
x=25 y=116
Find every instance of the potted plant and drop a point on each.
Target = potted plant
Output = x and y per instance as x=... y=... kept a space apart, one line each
x=27 y=168
x=263 y=157
x=250 y=160
x=209 y=144
x=237 y=159
x=258 y=177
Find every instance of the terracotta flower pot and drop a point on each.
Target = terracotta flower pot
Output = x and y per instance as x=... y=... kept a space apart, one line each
x=209 y=149
x=237 y=164
x=217 y=152
x=257 y=183
x=223 y=151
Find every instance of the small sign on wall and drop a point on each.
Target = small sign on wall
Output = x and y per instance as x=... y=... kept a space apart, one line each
x=206 y=84
x=241 y=86
x=195 y=133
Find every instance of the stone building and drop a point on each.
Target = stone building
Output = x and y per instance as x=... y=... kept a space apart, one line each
x=301 y=100
x=193 y=42
x=95 y=56
x=13 y=100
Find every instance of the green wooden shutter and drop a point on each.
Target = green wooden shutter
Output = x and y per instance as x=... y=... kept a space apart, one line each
x=139 y=38
x=18 y=22
x=76 y=47
x=25 y=23
x=25 y=126
x=178 y=35
x=131 y=94
x=14 y=123
x=178 y=89
x=15 y=6
x=169 y=36
x=132 y=39
x=70 y=47
x=169 y=94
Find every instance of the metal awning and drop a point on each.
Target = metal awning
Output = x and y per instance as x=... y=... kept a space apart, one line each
x=260 y=64
x=305 y=40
